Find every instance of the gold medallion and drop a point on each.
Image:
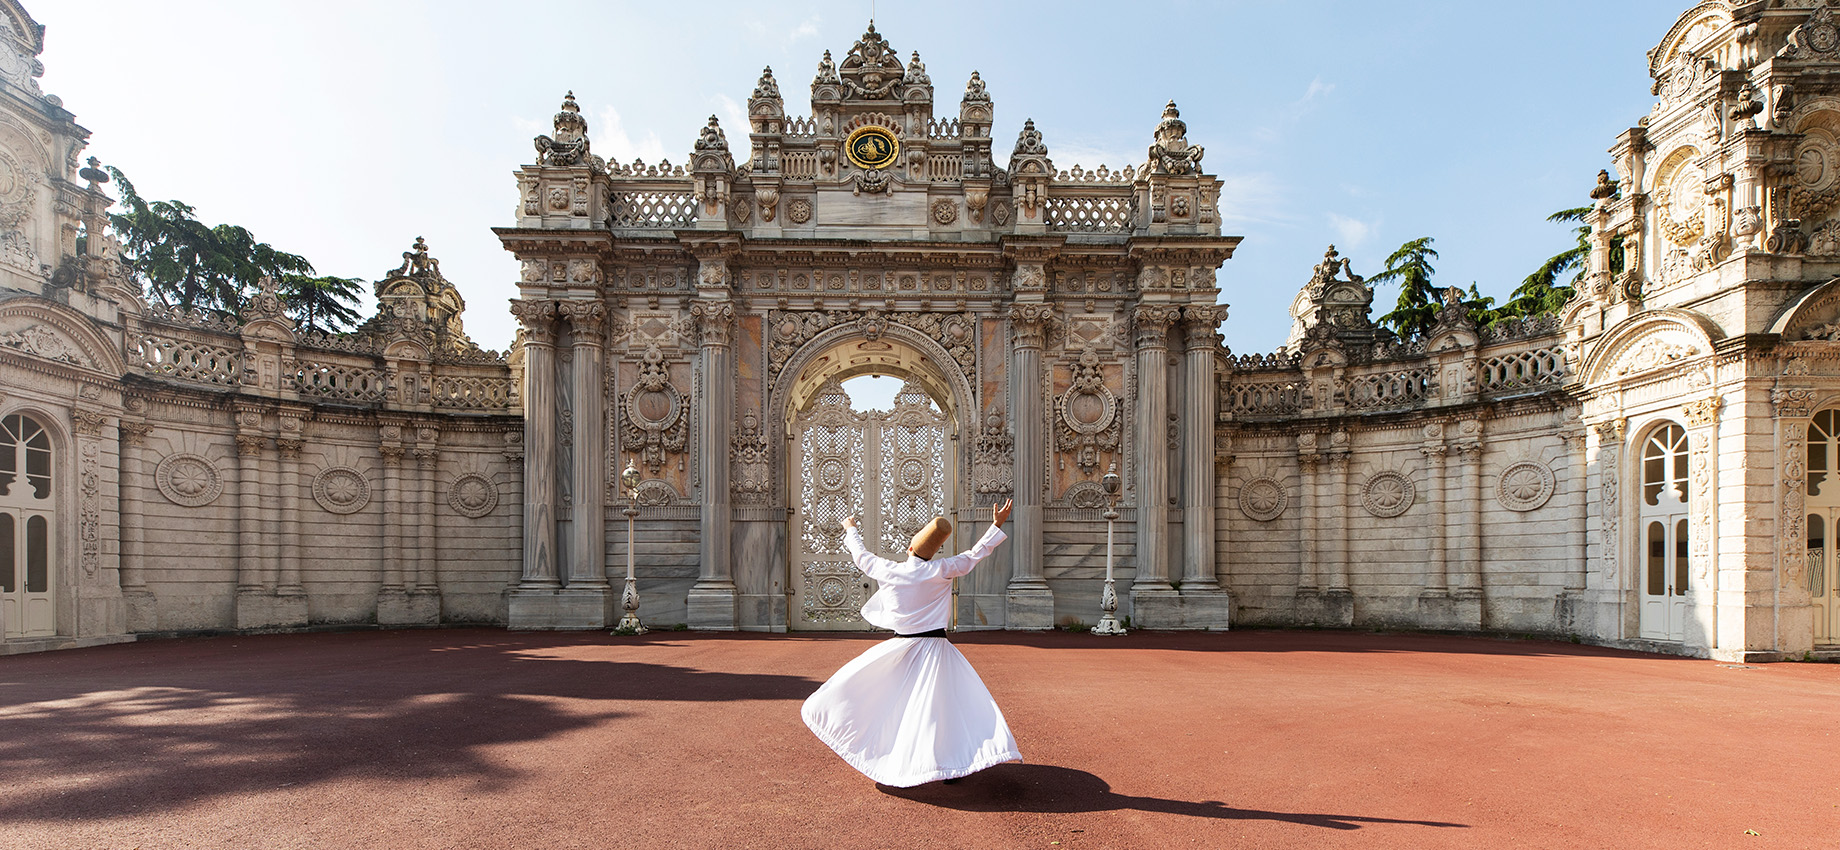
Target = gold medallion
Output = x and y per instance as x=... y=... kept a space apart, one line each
x=871 y=147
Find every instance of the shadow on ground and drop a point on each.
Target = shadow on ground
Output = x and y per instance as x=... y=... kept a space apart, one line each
x=1061 y=790
x=159 y=727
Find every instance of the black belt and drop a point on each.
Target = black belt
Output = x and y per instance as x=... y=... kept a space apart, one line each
x=938 y=633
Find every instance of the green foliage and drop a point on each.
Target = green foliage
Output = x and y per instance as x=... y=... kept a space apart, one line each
x=1419 y=301
x=1544 y=291
x=188 y=264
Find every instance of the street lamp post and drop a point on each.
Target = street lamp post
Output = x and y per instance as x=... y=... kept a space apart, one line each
x=1108 y=603
x=629 y=597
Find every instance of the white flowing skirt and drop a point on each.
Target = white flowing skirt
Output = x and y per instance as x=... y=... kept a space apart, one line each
x=909 y=711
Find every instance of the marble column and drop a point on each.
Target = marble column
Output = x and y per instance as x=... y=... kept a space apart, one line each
x=390 y=502
x=1309 y=550
x=1151 y=324
x=142 y=613
x=1342 y=501
x=1437 y=578
x=1029 y=602
x=289 y=538
x=1198 y=467
x=712 y=602
x=252 y=596
x=1468 y=595
x=426 y=460
x=587 y=567
x=539 y=321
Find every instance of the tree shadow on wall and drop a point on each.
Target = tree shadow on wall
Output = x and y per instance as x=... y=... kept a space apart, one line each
x=159 y=726
x=1047 y=789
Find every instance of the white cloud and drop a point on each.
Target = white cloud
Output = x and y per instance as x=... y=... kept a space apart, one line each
x=1252 y=198
x=612 y=141
x=734 y=121
x=1350 y=233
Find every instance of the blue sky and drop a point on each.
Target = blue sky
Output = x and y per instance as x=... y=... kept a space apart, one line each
x=343 y=130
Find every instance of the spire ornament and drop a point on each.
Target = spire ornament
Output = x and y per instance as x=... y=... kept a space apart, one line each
x=570 y=144
x=1172 y=154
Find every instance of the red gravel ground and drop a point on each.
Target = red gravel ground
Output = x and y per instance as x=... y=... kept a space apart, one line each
x=481 y=738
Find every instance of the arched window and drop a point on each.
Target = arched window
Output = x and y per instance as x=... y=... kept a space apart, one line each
x=1823 y=572
x=1665 y=550
x=26 y=515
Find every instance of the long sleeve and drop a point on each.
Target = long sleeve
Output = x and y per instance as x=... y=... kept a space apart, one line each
x=867 y=562
x=962 y=563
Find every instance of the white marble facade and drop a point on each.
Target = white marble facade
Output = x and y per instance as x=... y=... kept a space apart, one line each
x=1649 y=468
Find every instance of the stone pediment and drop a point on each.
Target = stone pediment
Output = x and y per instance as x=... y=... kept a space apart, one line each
x=47 y=333
x=1650 y=342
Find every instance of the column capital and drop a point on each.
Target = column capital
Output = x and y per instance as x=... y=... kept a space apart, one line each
x=585 y=319
x=538 y=318
x=250 y=445
x=135 y=433
x=290 y=449
x=1703 y=412
x=1202 y=324
x=1792 y=402
x=1032 y=322
x=713 y=321
x=391 y=455
x=426 y=458
x=1151 y=322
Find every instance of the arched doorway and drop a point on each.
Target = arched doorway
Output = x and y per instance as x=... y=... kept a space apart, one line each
x=894 y=469
x=27 y=603
x=1823 y=573
x=1663 y=532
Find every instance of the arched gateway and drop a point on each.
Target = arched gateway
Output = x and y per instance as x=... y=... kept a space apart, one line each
x=690 y=319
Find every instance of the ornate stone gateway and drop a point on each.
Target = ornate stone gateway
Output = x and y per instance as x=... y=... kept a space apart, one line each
x=889 y=469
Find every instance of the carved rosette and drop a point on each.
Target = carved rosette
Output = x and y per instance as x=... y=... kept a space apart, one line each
x=1387 y=494
x=472 y=495
x=1263 y=499
x=341 y=490
x=714 y=321
x=1524 y=486
x=1087 y=415
x=1032 y=323
x=1150 y=325
x=188 y=480
x=652 y=415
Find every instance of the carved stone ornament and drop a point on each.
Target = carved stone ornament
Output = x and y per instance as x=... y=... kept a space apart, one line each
x=993 y=457
x=1388 y=494
x=652 y=414
x=1653 y=354
x=752 y=469
x=945 y=211
x=1087 y=495
x=798 y=210
x=188 y=480
x=1792 y=402
x=1263 y=499
x=41 y=342
x=1087 y=414
x=1525 y=486
x=472 y=495
x=656 y=493
x=341 y=490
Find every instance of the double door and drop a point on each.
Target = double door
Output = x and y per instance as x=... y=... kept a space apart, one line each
x=1822 y=575
x=26 y=604
x=888 y=469
x=1665 y=570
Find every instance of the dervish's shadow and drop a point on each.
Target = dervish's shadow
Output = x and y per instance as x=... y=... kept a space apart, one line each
x=1048 y=789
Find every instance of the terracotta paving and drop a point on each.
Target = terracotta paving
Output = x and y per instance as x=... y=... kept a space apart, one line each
x=483 y=738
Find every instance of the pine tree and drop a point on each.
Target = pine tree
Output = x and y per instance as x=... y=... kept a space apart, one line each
x=1419 y=301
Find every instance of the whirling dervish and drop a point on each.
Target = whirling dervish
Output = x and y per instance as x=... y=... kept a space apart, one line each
x=911 y=710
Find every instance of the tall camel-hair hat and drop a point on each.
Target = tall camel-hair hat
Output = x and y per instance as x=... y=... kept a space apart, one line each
x=929 y=539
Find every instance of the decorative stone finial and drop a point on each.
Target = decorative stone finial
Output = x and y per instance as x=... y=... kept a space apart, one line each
x=570 y=145
x=1605 y=188
x=94 y=173
x=916 y=72
x=1172 y=154
x=1029 y=141
x=974 y=90
x=872 y=71
x=767 y=88
x=712 y=138
x=827 y=72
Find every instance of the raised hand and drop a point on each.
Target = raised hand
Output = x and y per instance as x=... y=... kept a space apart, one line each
x=1000 y=513
x=849 y=522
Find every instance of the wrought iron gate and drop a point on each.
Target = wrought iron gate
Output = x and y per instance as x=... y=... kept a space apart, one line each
x=889 y=469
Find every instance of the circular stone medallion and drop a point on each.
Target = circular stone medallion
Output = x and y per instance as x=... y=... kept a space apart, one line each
x=188 y=479
x=872 y=147
x=1263 y=499
x=472 y=495
x=913 y=474
x=832 y=591
x=1388 y=494
x=341 y=490
x=1525 y=486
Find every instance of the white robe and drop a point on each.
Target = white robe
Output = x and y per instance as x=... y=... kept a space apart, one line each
x=911 y=710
